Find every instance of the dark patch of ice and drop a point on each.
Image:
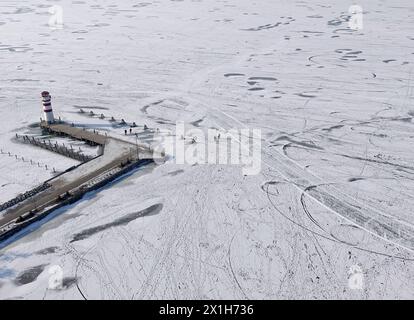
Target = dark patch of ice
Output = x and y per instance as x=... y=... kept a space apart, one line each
x=227 y=75
x=197 y=122
x=176 y=172
x=303 y=95
x=333 y=127
x=263 y=78
x=47 y=250
x=152 y=210
x=67 y=282
x=29 y=275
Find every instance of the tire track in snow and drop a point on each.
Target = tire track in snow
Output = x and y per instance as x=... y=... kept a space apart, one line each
x=232 y=270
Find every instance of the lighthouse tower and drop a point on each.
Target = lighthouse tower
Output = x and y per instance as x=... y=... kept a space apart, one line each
x=47 y=107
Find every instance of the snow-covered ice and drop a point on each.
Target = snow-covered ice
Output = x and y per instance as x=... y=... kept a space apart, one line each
x=335 y=107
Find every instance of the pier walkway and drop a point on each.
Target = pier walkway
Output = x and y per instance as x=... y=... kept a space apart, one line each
x=75 y=132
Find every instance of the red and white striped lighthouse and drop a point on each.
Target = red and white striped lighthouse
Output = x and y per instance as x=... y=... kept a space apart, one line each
x=47 y=107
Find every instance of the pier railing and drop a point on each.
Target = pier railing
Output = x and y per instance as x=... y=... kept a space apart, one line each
x=55 y=147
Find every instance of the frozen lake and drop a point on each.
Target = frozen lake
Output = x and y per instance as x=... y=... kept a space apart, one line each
x=335 y=196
